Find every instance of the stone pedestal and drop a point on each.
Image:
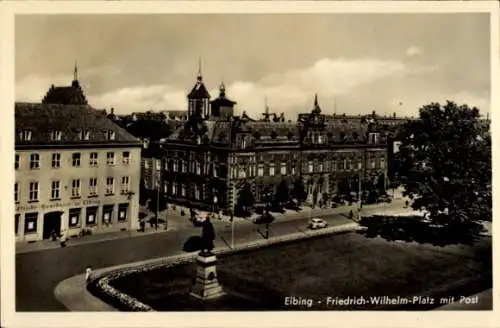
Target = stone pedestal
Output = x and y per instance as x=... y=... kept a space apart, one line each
x=206 y=286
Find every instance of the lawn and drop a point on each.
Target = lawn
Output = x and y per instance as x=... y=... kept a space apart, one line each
x=347 y=265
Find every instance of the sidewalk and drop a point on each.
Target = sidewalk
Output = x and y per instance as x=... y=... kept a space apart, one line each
x=73 y=293
x=175 y=222
x=305 y=212
x=25 y=247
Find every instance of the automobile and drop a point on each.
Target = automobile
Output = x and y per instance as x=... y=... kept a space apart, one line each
x=317 y=223
x=385 y=199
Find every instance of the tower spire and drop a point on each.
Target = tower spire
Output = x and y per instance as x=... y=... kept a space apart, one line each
x=334 y=105
x=222 y=89
x=200 y=77
x=75 y=72
x=266 y=109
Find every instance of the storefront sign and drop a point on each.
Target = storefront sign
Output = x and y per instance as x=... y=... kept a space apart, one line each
x=51 y=205
x=91 y=202
x=26 y=208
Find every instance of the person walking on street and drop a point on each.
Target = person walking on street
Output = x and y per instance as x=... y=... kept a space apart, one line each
x=63 y=239
x=53 y=235
x=88 y=273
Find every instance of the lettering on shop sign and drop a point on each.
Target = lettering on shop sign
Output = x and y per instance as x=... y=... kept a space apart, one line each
x=91 y=202
x=55 y=205
x=26 y=208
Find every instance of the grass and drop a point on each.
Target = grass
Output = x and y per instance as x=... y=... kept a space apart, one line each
x=336 y=266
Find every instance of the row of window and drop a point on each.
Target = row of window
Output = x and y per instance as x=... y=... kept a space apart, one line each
x=244 y=171
x=76 y=159
x=320 y=138
x=76 y=188
x=57 y=135
x=179 y=189
x=31 y=219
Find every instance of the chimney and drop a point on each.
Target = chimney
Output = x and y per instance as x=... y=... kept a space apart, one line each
x=112 y=111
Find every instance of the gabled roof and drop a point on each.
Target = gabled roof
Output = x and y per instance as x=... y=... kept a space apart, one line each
x=67 y=95
x=43 y=119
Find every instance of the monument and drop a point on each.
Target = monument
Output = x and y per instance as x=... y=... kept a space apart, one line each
x=206 y=285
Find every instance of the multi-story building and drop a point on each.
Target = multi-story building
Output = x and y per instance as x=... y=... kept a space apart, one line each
x=75 y=169
x=215 y=153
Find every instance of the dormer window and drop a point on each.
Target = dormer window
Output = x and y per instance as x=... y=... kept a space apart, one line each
x=373 y=138
x=25 y=135
x=111 y=135
x=84 y=135
x=55 y=135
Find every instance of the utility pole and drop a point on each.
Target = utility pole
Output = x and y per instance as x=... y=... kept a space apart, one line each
x=230 y=172
x=359 y=193
x=232 y=218
x=157 y=200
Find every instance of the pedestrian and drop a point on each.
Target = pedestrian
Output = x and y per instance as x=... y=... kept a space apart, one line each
x=53 y=235
x=88 y=273
x=63 y=239
x=351 y=214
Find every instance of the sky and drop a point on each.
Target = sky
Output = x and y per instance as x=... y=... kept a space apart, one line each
x=356 y=63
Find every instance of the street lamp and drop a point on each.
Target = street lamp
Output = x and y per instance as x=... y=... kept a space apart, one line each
x=232 y=217
x=157 y=202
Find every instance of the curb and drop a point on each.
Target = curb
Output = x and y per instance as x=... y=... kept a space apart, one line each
x=55 y=245
x=294 y=217
x=73 y=293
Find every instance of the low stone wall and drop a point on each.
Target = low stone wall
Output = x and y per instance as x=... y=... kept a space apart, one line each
x=102 y=279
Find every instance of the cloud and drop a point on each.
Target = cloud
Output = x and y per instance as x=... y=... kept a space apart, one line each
x=290 y=92
x=33 y=88
x=356 y=85
x=413 y=51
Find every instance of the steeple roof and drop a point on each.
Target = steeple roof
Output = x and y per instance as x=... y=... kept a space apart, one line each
x=66 y=95
x=222 y=100
x=316 y=109
x=199 y=90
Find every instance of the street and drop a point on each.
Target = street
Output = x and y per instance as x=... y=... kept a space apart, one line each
x=38 y=273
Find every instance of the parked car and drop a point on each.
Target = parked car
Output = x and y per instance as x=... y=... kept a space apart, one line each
x=317 y=223
x=385 y=199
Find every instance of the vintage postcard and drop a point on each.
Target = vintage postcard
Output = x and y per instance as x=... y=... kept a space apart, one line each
x=248 y=163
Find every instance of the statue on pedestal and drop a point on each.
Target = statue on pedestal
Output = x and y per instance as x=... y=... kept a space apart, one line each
x=206 y=285
x=207 y=237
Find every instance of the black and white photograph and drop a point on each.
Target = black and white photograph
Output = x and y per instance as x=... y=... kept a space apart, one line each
x=251 y=162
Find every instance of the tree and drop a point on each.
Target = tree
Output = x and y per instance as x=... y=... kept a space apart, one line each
x=282 y=195
x=445 y=164
x=245 y=200
x=344 y=189
x=381 y=185
x=144 y=193
x=266 y=218
x=162 y=204
x=370 y=192
x=150 y=128
x=299 y=191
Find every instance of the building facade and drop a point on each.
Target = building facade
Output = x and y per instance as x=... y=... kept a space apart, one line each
x=215 y=153
x=74 y=170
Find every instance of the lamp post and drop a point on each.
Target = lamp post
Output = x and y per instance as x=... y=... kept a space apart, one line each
x=232 y=218
x=157 y=202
